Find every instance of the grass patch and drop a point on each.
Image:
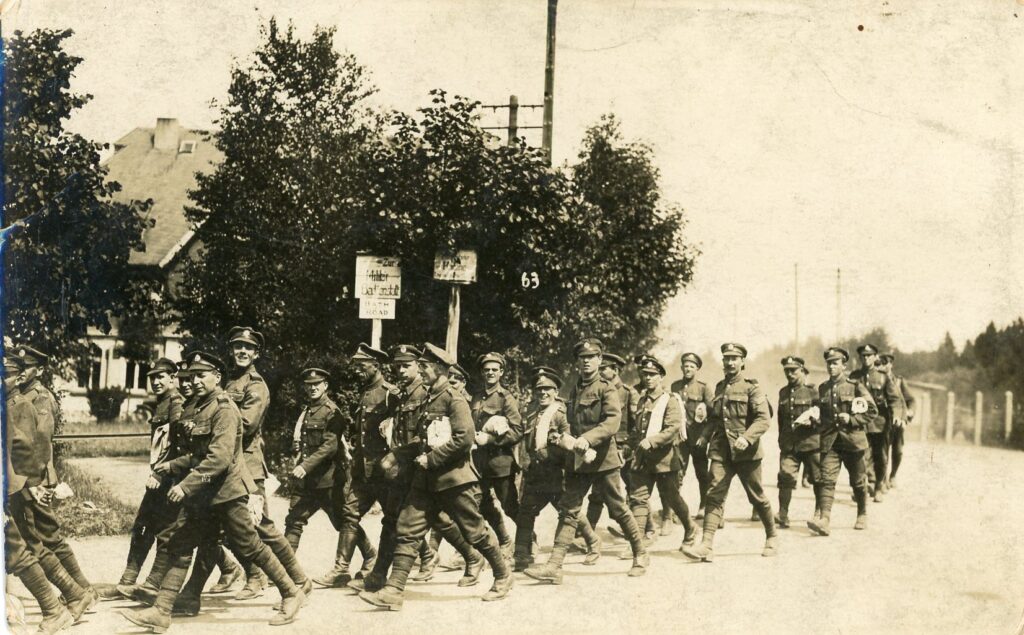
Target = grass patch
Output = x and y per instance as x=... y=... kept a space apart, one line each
x=94 y=510
x=89 y=448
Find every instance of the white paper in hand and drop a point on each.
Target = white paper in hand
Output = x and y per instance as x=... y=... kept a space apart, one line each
x=809 y=417
x=439 y=432
x=62 y=491
x=386 y=428
x=496 y=425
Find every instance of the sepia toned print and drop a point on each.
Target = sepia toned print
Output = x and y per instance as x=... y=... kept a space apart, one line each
x=517 y=316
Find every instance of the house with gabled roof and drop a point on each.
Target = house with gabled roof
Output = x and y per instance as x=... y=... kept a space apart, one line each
x=158 y=163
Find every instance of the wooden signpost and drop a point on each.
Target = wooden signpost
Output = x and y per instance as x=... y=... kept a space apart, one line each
x=378 y=285
x=457 y=268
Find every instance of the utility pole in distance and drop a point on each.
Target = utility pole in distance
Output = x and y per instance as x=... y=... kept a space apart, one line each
x=549 y=79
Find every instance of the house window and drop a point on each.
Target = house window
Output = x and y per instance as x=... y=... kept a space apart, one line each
x=187 y=147
x=135 y=375
x=89 y=371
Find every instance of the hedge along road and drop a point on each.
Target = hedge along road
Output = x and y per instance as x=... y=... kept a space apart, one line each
x=942 y=554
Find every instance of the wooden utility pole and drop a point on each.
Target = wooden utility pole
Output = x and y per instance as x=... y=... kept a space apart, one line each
x=839 y=304
x=549 y=79
x=1008 y=416
x=979 y=412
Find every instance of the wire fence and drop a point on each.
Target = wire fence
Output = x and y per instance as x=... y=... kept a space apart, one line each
x=982 y=418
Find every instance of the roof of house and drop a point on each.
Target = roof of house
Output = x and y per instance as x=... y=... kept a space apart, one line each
x=157 y=163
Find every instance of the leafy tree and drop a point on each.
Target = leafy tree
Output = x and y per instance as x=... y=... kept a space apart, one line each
x=66 y=263
x=311 y=177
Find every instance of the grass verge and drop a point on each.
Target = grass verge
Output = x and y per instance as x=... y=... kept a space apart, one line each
x=94 y=510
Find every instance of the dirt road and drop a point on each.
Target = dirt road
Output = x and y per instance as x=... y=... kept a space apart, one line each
x=942 y=554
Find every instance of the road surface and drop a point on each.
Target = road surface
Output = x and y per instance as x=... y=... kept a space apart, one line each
x=942 y=554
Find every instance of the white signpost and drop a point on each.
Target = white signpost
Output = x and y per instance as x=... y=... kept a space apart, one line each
x=456 y=268
x=378 y=285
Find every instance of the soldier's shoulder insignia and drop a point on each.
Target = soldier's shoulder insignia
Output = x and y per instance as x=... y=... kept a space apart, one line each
x=224 y=400
x=255 y=374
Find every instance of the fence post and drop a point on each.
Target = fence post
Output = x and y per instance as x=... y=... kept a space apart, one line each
x=1008 y=421
x=979 y=400
x=950 y=414
x=924 y=414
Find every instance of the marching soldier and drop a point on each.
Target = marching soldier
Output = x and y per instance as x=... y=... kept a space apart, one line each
x=360 y=482
x=31 y=509
x=847 y=410
x=19 y=559
x=543 y=466
x=739 y=416
x=611 y=367
x=654 y=437
x=908 y=408
x=594 y=418
x=315 y=444
x=799 y=439
x=156 y=513
x=889 y=406
x=213 y=493
x=458 y=378
x=443 y=479
x=499 y=428
x=397 y=468
x=697 y=397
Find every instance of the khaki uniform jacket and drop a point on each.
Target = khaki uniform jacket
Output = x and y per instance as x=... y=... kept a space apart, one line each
x=629 y=400
x=739 y=409
x=594 y=413
x=888 y=401
x=836 y=397
x=377 y=402
x=31 y=417
x=542 y=468
x=694 y=393
x=166 y=414
x=448 y=465
x=793 y=402
x=661 y=457
x=19 y=439
x=318 y=444
x=251 y=395
x=214 y=470
x=495 y=460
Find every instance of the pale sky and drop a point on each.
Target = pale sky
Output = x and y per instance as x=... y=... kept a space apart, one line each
x=787 y=134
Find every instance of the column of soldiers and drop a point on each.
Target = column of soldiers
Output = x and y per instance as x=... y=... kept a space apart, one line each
x=442 y=464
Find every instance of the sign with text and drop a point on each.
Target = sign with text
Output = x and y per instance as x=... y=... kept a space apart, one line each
x=457 y=268
x=376 y=309
x=378 y=277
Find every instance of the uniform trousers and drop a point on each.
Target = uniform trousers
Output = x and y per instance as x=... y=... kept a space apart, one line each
x=156 y=513
x=877 y=459
x=749 y=474
x=697 y=456
x=641 y=485
x=897 y=449
x=40 y=530
x=301 y=507
x=499 y=491
x=420 y=512
x=831 y=461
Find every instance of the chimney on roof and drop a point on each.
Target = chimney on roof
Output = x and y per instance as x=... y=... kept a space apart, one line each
x=167 y=134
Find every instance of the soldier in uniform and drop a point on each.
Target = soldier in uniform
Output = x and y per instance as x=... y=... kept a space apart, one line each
x=594 y=417
x=889 y=403
x=443 y=479
x=739 y=416
x=359 y=482
x=847 y=410
x=213 y=493
x=315 y=444
x=156 y=513
x=611 y=367
x=21 y=471
x=210 y=552
x=31 y=509
x=654 y=437
x=397 y=468
x=909 y=405
x=458 y=378
x=499 y=428
x=543 y=466
x=799 y=439
x=697 y=397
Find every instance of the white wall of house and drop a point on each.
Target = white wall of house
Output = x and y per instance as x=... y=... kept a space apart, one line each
x=109 y=369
